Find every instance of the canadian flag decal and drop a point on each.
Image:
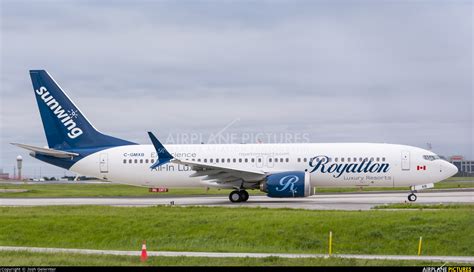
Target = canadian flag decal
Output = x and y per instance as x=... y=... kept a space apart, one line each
x=421 y=167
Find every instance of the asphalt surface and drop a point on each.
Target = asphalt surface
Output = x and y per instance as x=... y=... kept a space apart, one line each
x=454 y=259
x=353 y=201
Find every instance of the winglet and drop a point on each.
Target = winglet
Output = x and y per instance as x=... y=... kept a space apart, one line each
x=163 y=155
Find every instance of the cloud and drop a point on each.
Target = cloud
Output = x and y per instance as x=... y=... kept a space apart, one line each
x=344 y=71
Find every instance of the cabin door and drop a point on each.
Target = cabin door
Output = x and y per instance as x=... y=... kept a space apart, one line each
x=405 y=160
x=104 y=163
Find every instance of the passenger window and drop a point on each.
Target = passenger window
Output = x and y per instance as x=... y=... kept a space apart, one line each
x=269 y=159
x=228 y=160
x=281 y=159
x=299 y=160
x=240 y=160
x=329 y=159
x=253 y=160
x=304 y=159
x=371 y=159
x=141 y=160
x=135 y=161
x=348 y=159
x=199 y=160
x=205 y=160
x=130 y=161
x=193 y=159
x=259 y=160
x=146 y=161
x=124 y=161
x=342 y=159
x=287 y=160
x=378 y=159
x=360 y=159
x=152 y=161
x=234 y=160
x=222 y=160
x=246 y=160
x=355 y=159
x=335 y=159
x=383 y=159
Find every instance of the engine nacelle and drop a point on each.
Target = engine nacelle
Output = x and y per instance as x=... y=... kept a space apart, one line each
x=287 y=184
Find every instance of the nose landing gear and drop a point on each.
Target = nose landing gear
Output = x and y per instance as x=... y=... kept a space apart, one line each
x=414 y=189
x=412 y=197
x=238 y=196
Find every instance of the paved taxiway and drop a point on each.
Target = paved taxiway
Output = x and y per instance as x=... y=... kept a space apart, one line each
x=455 y=259
x=341 y=201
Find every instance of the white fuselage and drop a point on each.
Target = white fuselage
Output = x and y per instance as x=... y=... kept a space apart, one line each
x=390 y=165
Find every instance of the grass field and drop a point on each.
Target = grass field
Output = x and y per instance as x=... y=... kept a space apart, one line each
x=98 y=190
x=444 y=231
x=447 y=184
x=409 y=205
x=113 y=189
x=461 y=178
x=22 y=258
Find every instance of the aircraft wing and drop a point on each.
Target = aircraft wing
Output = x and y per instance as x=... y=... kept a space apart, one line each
x=47 y=151
x=210 y=173
x=222 y=175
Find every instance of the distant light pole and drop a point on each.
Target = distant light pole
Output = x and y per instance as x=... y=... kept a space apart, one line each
x=428 y=145
x=19 y=165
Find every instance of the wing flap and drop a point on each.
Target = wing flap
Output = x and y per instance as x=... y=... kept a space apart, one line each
x=220 y=174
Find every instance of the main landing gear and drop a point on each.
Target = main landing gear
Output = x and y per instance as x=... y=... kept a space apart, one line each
x=412 y=197
x=238 y=196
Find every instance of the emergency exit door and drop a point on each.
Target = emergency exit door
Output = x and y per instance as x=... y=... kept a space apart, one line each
x=104 y=165
x=405 y=160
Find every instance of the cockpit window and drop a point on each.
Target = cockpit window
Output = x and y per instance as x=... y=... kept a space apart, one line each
x=431 y=157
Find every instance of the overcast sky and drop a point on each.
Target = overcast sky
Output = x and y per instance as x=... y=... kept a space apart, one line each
x=331 y=71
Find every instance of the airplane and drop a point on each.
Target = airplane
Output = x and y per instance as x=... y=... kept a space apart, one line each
x=283 y=170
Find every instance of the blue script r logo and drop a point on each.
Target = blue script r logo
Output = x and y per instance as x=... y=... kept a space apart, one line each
x=288 y=181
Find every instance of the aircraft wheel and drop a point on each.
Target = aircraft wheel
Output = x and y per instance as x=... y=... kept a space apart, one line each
x=244 y=195
x=235 y=196
x=412 y=197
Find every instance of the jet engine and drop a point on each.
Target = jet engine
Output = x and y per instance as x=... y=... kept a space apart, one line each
x=287 y=184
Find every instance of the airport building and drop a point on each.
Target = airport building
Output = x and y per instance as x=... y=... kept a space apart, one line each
x=3 y=175
x=465 y=167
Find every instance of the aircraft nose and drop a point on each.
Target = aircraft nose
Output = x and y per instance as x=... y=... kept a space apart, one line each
x=451 y=169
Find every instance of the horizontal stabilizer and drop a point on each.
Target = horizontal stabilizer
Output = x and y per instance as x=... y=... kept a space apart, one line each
x=47 y=151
